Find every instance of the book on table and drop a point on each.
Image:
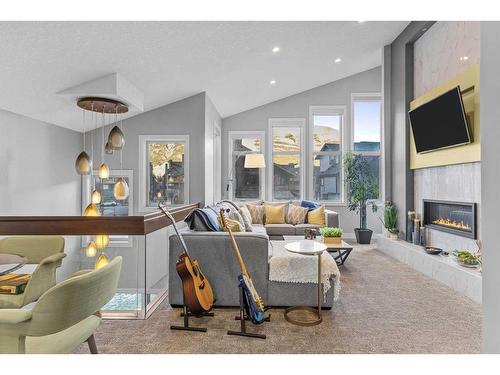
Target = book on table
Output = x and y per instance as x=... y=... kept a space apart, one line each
x=14 y=283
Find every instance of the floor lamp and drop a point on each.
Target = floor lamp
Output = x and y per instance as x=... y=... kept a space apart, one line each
x=251 y=161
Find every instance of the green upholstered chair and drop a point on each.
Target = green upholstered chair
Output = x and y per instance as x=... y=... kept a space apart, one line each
x=45 y=251
x=64 y=317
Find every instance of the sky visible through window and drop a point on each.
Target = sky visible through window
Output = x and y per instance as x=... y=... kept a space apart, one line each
x=367 y=121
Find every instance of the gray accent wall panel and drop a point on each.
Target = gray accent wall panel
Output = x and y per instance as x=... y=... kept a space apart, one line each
x=490 y=182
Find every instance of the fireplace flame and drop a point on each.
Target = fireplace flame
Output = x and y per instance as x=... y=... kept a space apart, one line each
x=452 y=224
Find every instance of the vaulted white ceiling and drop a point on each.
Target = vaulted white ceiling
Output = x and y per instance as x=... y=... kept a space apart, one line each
x=232 y=61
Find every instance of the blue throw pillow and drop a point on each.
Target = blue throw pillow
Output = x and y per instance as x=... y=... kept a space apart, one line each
x=311 y=205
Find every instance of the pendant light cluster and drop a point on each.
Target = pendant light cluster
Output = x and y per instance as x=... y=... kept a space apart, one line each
x=84 y=163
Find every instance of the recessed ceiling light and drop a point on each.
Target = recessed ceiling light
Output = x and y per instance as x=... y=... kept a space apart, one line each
x=337 y=60
x=272 y=82
x=276 y=49
x=464 y=58
x=361 y=21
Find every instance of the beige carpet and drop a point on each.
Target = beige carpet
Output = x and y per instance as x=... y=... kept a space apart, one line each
x=384 y=307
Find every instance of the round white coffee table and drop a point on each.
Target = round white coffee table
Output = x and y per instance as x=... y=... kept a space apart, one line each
x=307 y=247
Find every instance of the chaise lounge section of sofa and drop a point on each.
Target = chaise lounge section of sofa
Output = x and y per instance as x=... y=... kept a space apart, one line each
x=217 y=260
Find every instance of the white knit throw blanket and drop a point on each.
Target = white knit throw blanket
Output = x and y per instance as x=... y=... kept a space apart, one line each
x=285 y=266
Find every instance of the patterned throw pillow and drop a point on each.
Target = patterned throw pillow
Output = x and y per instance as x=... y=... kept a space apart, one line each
x=247 y=218
x=257 y=213
x=296 y=214
x=236 y=216
x=232 y=212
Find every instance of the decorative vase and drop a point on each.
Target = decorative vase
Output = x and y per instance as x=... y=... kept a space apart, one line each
x=393 y=236
x=332 y=240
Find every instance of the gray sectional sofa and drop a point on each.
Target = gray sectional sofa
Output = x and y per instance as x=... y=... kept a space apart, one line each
x=214 y=252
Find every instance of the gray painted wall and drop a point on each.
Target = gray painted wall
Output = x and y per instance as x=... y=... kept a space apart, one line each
x=490 y=180
x=297 y=106
x=37 y=174
x=212 y=119
x=186 y=116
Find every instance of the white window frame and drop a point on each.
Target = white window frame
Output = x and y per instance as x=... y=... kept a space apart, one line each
x=143 y=167
x=327 y=110
x=237 y=134
x=286 y=123
x=86 y=197
x=372 y=96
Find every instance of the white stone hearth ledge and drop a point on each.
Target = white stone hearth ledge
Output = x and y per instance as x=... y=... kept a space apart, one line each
x=441 y=268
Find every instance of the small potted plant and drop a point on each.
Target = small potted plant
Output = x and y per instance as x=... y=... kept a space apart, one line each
x=331 y=235
x=391 y=220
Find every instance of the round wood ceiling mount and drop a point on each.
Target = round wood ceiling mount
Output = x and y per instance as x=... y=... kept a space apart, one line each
x=102 y=105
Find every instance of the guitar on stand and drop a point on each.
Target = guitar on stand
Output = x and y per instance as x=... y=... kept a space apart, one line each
x=198 y=296
x=251 y=304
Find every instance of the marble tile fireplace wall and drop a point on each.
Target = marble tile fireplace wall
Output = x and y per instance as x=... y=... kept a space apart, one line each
x=434 y=64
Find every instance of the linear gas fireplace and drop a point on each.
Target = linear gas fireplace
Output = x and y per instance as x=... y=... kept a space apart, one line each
x=452 y=217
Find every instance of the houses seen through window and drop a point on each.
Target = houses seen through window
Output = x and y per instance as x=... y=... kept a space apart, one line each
x=166 y=173
x=327 y=157
x=286 y=159
x=246 y=181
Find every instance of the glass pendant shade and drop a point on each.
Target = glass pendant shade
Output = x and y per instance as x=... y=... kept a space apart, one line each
x=103 y=171
x=101 y=241
x=96 y=196
x=101 y=261
x=91 y=210
x=108 y=148
x=91 y=250
x=120 y=189
x=83 y=164
x=116 y=138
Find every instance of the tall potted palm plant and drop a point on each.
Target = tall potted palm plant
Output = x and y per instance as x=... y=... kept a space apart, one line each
x=362 y=190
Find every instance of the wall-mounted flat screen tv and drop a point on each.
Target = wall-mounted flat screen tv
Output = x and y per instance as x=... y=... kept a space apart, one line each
x=440 y=123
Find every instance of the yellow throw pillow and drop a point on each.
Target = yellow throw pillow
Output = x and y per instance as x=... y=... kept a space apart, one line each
x=317 y=216
x=234 y=225
x=275 y=214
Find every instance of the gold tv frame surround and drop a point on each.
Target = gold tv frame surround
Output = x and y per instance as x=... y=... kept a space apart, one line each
x=467 y=153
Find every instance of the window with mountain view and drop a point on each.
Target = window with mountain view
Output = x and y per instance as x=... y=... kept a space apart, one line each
x=245 y=183
x=367 y=129
x=287 y=166
x=327 y=154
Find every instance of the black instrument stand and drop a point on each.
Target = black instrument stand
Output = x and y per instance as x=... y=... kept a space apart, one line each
x=186 y=314
x=243 y=319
